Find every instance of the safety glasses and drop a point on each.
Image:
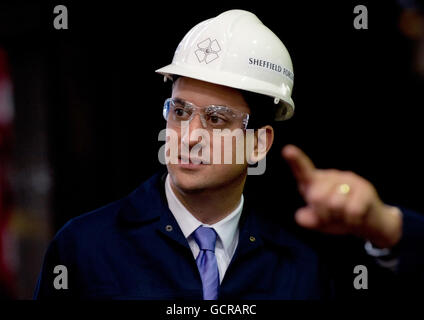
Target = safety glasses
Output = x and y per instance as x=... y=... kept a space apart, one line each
x=176 y=110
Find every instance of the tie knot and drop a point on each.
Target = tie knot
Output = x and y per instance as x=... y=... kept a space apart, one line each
x=205 y=238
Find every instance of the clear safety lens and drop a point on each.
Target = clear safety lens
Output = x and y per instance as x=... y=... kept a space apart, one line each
x=212 y=117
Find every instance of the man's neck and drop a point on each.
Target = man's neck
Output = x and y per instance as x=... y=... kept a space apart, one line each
x=211 y=205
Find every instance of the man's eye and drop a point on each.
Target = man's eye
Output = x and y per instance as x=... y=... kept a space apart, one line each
x=217 y=120
x=180 y=112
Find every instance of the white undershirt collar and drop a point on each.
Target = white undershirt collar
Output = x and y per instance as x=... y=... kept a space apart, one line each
x=226 y=228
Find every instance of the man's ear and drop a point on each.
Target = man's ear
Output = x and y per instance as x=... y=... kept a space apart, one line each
x=264 y=137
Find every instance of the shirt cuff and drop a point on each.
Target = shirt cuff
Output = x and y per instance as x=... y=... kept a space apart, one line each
x=384 y=257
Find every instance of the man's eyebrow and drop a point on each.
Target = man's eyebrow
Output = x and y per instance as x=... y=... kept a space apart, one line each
x=177 y=99
x=183 y=101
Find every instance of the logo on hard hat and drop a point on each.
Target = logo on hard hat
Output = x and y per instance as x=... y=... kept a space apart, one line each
x=208 y=50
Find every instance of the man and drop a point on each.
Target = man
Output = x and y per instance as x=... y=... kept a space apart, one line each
x=190 y=233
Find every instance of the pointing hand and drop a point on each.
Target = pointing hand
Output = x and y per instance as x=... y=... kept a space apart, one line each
x=341 y=202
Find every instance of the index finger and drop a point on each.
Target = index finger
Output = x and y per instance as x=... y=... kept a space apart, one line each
x=301 y=165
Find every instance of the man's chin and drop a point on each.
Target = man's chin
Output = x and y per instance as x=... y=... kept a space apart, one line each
x=207 y=177
x=189 y=185
x=187 y=180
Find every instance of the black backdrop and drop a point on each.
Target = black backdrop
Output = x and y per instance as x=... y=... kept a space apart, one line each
x=358 y=103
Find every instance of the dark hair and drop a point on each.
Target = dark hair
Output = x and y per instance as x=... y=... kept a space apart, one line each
x=262 y=109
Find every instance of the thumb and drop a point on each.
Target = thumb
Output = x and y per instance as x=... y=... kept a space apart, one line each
x=307 y=218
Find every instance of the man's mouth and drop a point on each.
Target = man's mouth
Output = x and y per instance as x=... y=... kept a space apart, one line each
x=191 y=161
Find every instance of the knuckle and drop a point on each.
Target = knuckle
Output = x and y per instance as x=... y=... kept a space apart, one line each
x=350 y=175
x=367 y=189
x=333 y=172
x=372 y=189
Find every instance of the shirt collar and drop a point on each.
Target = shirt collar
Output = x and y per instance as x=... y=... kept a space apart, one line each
x=225 y=228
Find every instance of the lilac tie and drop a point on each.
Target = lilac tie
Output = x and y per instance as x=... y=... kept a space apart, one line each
x=206 y=262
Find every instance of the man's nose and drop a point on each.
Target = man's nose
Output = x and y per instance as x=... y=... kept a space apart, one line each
x=195 y=123
x=190 y=135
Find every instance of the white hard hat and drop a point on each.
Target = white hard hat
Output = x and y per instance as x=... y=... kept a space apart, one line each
x=236 y=50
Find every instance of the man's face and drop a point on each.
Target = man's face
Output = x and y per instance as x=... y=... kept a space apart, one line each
x=198 y=177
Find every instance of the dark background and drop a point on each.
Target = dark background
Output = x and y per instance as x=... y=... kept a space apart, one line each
x=92 y=92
